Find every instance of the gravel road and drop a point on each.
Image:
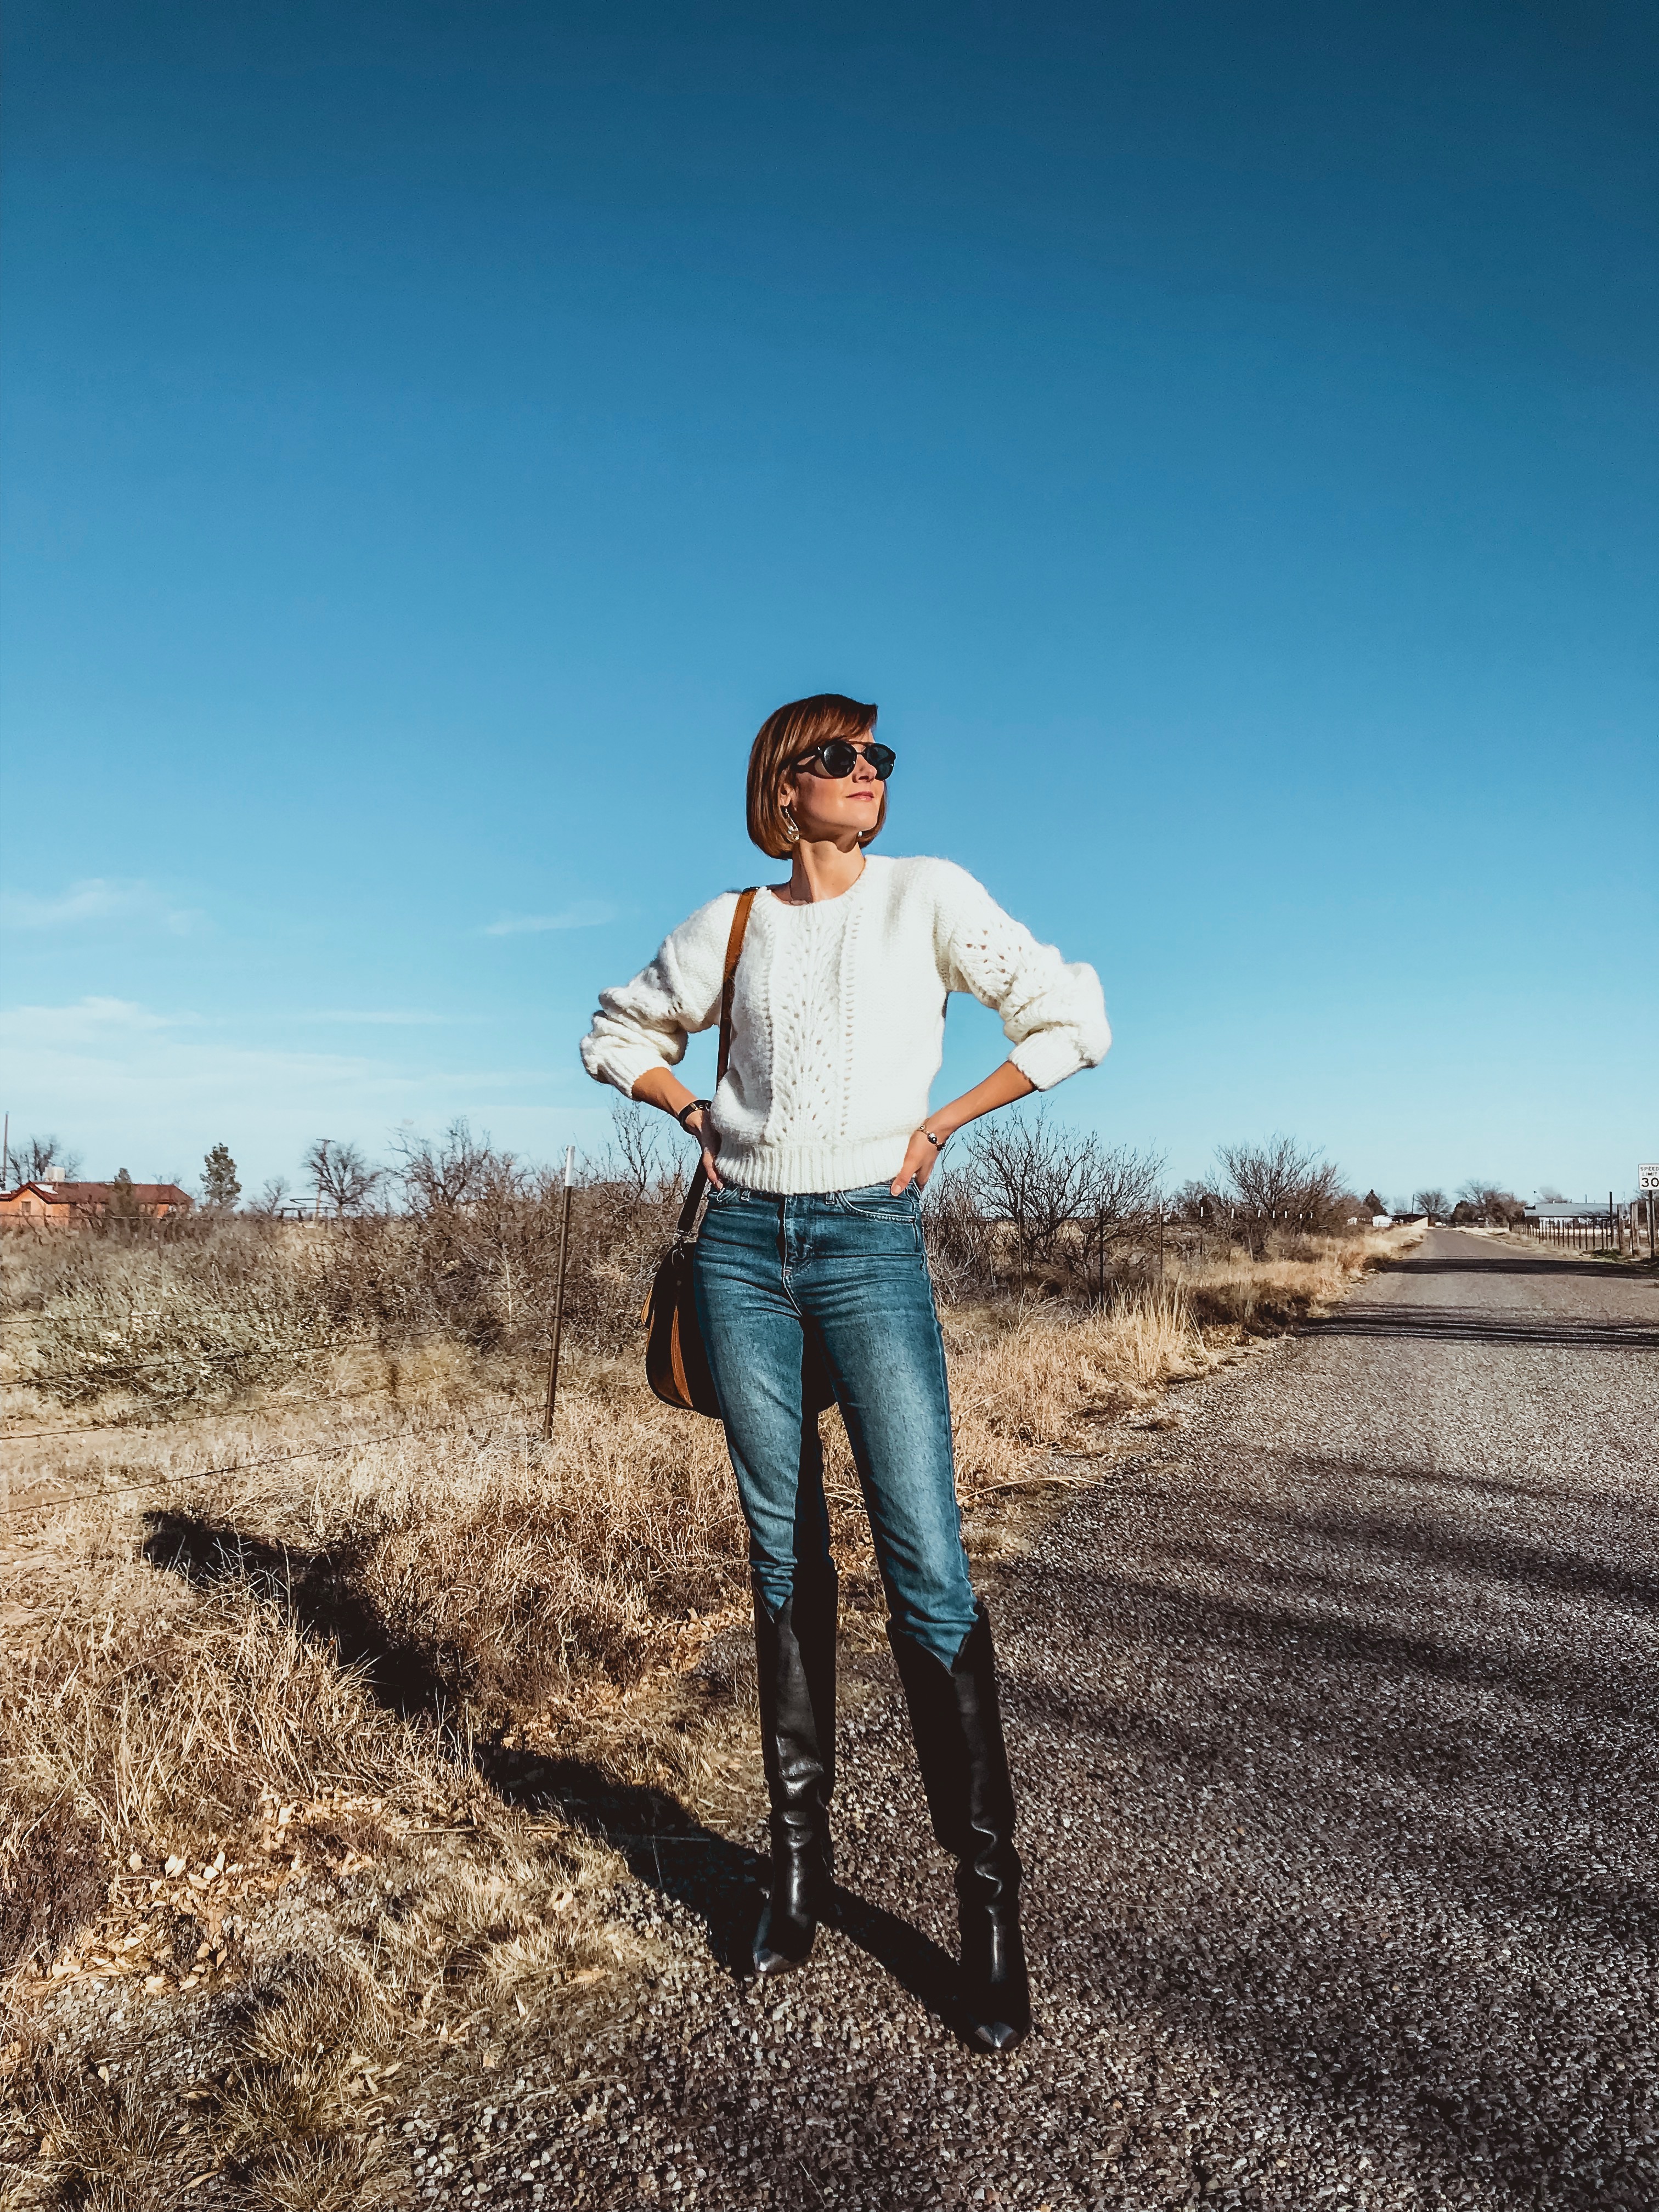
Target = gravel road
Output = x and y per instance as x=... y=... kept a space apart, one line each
x=1333 y=1720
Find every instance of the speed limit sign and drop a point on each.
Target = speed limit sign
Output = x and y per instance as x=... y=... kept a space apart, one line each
x=1647 y=1175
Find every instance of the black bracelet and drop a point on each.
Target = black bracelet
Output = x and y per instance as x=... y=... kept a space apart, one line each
x=693 y=1106
x=938 y=1143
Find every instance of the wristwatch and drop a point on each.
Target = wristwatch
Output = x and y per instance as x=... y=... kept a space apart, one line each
x=693 y=1106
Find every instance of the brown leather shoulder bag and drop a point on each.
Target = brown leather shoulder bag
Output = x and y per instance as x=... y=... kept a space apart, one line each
x=676 y=1364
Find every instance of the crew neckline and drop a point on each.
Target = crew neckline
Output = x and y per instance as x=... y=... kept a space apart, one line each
x=811 y=906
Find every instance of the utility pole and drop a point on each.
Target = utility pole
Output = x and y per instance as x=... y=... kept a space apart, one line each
x=558 y=1299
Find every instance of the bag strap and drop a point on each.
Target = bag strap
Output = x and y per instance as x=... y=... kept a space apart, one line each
x=729 y=980
x=728 y=992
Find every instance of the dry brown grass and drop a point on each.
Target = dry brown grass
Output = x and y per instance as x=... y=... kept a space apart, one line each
x=271 y=1738
x=1306 y=1275
x=149 y=1329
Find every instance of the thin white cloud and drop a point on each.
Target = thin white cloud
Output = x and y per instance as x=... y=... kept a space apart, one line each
x=88 y=1020
x=95 y=899
x=586 y=914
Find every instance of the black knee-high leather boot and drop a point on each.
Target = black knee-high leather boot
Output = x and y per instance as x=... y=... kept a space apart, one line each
x=964 y=1770
x=796 y=1652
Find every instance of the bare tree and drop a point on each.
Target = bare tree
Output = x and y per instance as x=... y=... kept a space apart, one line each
x=45 y=1159
x=1281 y=1177
x=1035 y=1174
x=271 y=1197
x=638 y=1159
x=121 y=1205
x=961 y=1243
x=1486 y=1202
x=1069 y=1199
x=342 y=1175
x=1430 y=1202
x=1280 y=1182
x=450 y=1172
x=1124 y=1195
x=1197 y=1202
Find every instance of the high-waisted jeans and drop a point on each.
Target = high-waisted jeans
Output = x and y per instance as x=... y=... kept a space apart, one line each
x=837 y=1281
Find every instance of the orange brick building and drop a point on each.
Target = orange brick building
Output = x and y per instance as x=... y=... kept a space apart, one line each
x=65 y=1205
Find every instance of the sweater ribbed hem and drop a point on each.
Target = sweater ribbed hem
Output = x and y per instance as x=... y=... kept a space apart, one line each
x=792 y=1169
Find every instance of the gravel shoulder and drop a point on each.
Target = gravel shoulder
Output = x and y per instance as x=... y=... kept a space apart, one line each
x=1334 y=1720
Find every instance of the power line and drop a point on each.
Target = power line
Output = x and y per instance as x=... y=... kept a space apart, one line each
x=177 y=1359
x=185 y=1421
x=234 y=1466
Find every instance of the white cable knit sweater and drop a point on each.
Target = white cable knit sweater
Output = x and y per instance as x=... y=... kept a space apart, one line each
x=838 y=1018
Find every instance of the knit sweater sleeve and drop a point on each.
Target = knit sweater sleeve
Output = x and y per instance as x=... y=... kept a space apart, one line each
x=1052 y=1010
x=645 y=1024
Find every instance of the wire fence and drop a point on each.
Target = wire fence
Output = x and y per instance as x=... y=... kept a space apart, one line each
x=1627 y=1231
x=137 y=1425
x=163 y=1478
x=50 y=1500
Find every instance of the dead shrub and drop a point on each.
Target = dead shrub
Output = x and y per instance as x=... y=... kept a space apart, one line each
x=100 y=2144
x=298 y=2043
x=1046 y=1380
x=170 y=1731
x=52 y=1880
x=505 y=1577
x=166 y=1323
x=344 y=2172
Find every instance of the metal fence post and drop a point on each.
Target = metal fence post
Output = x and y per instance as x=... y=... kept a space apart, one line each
x=558 y=1299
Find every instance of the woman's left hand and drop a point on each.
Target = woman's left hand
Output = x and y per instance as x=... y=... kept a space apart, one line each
x=920 y=1158
x=921 y=1154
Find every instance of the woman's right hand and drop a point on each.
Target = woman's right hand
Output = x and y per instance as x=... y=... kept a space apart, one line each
x=659 y=1087
x=702 y=1127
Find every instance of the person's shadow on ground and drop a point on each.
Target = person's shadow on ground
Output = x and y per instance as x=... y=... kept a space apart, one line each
x=664 y=1844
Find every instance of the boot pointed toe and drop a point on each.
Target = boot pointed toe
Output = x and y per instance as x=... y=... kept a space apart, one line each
x=996 y=1987
x=781 y=1946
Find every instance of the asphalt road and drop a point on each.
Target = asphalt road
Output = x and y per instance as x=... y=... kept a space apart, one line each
x=1334 y=1724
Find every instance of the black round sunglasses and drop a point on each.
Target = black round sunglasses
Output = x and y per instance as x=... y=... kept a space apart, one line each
x=836 y=757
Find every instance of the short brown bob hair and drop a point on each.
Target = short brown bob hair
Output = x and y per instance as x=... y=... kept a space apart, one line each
x=786 y=737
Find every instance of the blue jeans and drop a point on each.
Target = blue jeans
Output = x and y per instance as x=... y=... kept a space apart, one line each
x=837 y=1281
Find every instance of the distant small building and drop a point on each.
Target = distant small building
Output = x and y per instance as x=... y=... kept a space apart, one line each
x=1567 y=1209
x=68 y=1205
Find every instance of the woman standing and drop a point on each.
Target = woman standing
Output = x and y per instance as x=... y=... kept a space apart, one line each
x=811 y=1280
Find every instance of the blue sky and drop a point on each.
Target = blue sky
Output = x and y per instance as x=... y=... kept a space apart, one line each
x=1221 y=439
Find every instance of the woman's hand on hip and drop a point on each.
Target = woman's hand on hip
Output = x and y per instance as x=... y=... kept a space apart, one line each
x=921 y=1154
x=701 y=1126
x=920 y=1158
